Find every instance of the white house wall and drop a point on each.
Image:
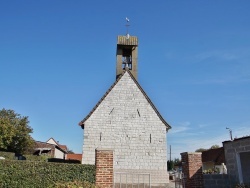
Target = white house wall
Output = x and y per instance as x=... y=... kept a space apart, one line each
x=58 y=154
x=51 y=141
x=126 y=122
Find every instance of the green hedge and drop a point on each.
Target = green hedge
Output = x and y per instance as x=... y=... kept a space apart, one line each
x=56 y=160
x=30 y=157
x=30 y=174
x=7 y=155
x=37 y=158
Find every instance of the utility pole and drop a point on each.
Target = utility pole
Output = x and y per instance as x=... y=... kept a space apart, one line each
x=170 y=152
x=230 y=133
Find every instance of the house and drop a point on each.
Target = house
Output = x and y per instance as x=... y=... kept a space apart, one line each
x=237 y=160
x=237 y=154
x=51 y=148
x=126 y=121
x=213 y=159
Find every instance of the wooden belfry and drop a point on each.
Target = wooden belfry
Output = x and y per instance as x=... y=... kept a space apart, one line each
x=126 y=55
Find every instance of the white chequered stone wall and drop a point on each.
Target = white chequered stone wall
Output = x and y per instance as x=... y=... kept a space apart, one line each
x=126 y=123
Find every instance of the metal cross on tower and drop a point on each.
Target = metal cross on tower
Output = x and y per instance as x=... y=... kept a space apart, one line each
x=127 y=26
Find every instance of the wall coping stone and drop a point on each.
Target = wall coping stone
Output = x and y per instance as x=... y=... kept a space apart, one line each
x=103 y=149
x=198 y=153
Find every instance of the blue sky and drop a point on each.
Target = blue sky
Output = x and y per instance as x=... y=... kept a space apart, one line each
x=57 y=59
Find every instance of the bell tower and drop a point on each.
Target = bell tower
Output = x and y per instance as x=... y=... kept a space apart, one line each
x=126 y=55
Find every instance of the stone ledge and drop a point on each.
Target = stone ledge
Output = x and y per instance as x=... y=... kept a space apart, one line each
x=103 y=149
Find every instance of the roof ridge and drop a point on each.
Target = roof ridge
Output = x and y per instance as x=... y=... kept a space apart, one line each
x=54 y=140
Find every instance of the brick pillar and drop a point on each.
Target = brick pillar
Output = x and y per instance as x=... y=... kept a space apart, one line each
x=104 y=168
x=192 y=169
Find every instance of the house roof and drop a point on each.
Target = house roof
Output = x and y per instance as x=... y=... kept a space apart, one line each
x=74 y=157
x=81 y=123
x=237 y=139
x=62 y=147
x=43 y=145
x=214 y=155
x=53 y=140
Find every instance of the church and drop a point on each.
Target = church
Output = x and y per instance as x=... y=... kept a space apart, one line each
x=126 y=121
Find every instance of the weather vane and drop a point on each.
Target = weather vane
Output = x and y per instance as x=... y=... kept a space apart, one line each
x=127 y=25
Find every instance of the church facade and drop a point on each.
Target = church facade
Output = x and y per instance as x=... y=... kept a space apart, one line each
x=126 y=121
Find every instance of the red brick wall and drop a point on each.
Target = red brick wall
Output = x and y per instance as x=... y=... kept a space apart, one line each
x=192 y=169
x=104 y=168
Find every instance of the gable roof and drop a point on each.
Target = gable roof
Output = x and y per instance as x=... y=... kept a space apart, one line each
x=43 y=145
x=47 y=146
x=81 y=123
x=52 y=140
x=62 y=147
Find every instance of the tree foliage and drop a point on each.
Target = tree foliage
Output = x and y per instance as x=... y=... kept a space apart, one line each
x=203 y=149
x=200 y=150
x=14 y=132
x=172 y=163
x=177 y=161
x=70 y=151
x=214 y=146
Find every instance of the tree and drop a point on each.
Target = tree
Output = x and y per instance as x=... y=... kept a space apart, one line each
x=203 y=149
x=70 y=151
x=14 y=132
x=177 y=161
x=170 y=165
x=200 y=150
x=214 y=146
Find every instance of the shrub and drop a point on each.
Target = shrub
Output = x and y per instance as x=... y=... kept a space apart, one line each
x=76 y=184
x=43 y=158
x=37 y=174
x=7 y=155
x=63 y=160
x=12 y=156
